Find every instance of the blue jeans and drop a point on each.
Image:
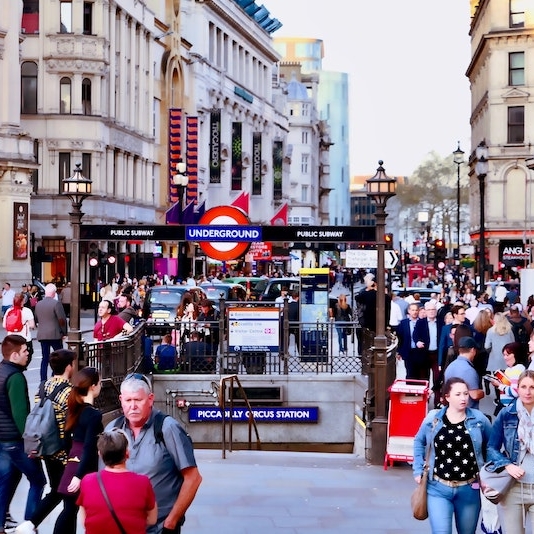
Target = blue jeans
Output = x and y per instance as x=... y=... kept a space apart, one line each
x=342 y=337
x=443 y=502
x=46 y=345
x=12 y=456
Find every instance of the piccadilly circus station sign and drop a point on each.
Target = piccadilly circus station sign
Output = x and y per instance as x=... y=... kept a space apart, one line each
x=223 y=233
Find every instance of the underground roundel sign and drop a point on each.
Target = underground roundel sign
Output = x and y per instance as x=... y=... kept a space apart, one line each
x=224 y=216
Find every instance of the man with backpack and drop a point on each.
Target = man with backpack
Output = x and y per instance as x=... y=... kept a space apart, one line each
x=14 y=409
x=521 y=326
x=161 y=449
x=57 y=388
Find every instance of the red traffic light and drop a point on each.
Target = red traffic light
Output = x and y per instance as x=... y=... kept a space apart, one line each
x=439 y=243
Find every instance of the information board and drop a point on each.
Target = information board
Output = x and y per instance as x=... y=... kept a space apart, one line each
x=253 y=329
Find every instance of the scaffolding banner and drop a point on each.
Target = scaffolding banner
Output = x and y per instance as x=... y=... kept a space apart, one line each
x=277 y=169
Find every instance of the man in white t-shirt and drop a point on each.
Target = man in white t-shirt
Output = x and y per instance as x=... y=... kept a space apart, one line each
x=8 y=295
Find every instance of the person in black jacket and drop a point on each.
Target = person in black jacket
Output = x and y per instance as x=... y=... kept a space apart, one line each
x=208 y=324
x=293 y=316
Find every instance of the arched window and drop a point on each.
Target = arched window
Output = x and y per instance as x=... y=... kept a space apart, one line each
x=28 y=84
x=64 y=96
x=86 y=96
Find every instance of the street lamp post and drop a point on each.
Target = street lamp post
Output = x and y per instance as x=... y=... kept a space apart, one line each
x=77 y=188
x=181 y=180
x=481 y=170
x=380 y=188
x=459 y=160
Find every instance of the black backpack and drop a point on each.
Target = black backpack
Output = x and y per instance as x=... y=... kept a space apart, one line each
x=520 y=331
x=41 y=431
x=157 y=426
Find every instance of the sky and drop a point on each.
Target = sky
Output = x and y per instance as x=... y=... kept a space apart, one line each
x=406 y=60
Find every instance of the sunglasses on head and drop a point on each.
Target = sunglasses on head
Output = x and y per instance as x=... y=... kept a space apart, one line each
x=139 y=376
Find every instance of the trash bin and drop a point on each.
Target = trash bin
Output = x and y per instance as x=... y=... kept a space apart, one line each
x=408 y=406
x=254 y=362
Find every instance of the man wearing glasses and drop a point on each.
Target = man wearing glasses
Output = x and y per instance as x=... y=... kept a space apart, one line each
x=168 y=461
x=445 y=340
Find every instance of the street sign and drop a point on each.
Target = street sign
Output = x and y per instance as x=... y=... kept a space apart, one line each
x=368 y=259
x=361 y=259
x=390 y=259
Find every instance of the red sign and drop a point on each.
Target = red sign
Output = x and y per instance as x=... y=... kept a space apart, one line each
x=224 y=215
x=260 y=251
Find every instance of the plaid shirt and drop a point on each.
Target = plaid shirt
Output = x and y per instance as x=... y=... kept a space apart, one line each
x=60 y=408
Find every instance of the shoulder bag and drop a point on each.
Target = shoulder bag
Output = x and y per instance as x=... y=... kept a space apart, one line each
x=495 y=484
x=108 y=502
x=419 y=496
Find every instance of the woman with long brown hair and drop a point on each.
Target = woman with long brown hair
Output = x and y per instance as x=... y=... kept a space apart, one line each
x=342 y=315
x=83 y=426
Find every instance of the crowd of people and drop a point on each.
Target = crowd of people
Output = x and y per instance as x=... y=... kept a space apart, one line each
x=476 y=346
x=148 y=470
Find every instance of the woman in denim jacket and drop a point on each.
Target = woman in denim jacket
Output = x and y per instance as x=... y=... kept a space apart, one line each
x=511 y=446
x=456 y=437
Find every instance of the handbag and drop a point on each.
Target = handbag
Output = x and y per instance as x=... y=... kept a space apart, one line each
x=108 y=502
x=495 y=484
x=419 y=498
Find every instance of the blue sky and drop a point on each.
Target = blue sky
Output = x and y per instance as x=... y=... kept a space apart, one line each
x=406 y=62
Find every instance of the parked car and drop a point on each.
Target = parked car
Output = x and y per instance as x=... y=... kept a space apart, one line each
x=250 y=283
x=273 y=287
x=231 y=292
x=160 y=304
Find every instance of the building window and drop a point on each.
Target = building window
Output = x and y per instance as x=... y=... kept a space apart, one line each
x=28 y=82
x=65 y=14
x=86 y=165
x=35 y=172
x=305 y=110
x=64 y=96
x=86 y=96
x=304 y=193
x=304 y=161
x=30 y=16
x=517 y=13
x=88 y=18
x=516 y=68
x=516 y=124
x=305 y=138
x=64 y=168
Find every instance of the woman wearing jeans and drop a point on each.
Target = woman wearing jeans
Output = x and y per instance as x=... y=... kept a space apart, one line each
x=512 y=446
x=456 y=437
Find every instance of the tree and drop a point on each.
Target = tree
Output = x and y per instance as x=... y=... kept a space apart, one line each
x=433 y=188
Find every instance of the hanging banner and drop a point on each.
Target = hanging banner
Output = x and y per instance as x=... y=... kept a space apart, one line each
x=256 y=163
x=215 y=146
x=277 y=169
x=192 y=160
x=20 y=230
x=175 y=149
x=237 y=155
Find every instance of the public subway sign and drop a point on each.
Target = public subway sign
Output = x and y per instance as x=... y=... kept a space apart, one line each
x=177 y=232
x=262 y=414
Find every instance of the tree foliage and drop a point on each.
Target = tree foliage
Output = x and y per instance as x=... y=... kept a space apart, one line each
x=433 y=188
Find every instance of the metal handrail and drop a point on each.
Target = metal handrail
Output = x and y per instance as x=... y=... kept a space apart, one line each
x=222 y=405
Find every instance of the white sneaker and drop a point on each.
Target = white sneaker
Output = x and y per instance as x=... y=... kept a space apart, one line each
x=26 y=528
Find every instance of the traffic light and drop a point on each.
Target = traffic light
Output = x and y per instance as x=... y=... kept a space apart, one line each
x=388 y=239
x=440 y=250
x=93 y=254
x=112 y=254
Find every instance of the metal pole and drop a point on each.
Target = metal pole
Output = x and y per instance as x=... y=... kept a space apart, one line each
x=482 y=242
x=74 y=332
x=379 y=423
x=458 y=209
